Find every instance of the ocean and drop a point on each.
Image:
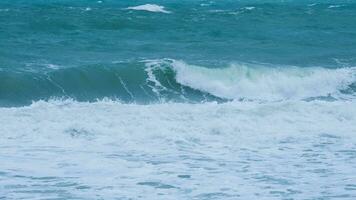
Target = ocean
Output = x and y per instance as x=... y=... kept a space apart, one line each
x=168 y=99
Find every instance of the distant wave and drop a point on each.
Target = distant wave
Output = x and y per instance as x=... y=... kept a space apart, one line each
x=335 y=6
x=249 y=8
x=150 y=8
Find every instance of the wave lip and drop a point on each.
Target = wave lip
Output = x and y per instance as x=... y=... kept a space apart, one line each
x=150 y=8
x=255 y=82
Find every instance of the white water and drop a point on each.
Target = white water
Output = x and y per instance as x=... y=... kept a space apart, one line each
x=280 y=148
x=150 y=8
x=249 y=8
x=237 y=150
x=257 y=82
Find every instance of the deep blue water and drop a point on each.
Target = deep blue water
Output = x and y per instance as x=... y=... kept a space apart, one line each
x=177 y=99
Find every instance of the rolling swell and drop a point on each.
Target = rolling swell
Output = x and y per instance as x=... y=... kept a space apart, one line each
x=133 y=82
x=168 y=80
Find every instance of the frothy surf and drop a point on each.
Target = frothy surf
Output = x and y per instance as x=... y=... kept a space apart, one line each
x=170 y=148
x=116 y=119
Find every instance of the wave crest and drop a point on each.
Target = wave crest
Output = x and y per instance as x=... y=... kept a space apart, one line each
x=243 y=81
x=168 y=80
x=150 y=8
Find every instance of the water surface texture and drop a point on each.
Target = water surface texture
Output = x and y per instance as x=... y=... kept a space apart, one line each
x=177 y=99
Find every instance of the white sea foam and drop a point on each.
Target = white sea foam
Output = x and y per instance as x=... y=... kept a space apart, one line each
x=241 y=81
x=52 y=66
x=57 y=148
x=115 y=119
x=204 y=4
x=335 y=6
x=157 y=87
x=312 y=4
x=249 y=8
x=150 y=8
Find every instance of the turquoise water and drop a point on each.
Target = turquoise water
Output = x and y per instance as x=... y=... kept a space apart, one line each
x=80 y=49
x=177 y=99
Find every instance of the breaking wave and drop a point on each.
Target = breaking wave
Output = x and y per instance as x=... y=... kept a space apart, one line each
x=168 y=80
x=243 y=81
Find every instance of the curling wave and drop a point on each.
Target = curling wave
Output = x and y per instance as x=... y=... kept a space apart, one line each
x=167 y=80
x=257 y=82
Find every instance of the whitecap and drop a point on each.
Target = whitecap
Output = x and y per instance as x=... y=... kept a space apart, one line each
x=217 y=11
x=249 y=8
x=335 y=6
x=312 y=4
x=53 y=66
x=265 y=83
x=150 y=8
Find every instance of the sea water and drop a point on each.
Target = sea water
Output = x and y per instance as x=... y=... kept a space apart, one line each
x=177 y=99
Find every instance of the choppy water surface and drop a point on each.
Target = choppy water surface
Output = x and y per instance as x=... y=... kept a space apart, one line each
x=177 y=99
